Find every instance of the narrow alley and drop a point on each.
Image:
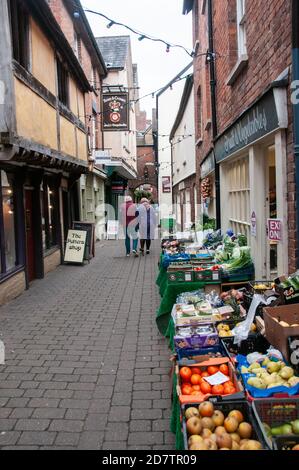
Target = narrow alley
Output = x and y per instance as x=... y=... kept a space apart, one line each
x=85 y=365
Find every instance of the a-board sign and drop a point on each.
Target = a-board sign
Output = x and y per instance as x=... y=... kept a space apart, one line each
x=112 y=228
x=75 y=246
x=89 y=227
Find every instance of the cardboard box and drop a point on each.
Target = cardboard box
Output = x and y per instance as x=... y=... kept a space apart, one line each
x=196 y=340
x=200 y=397
x=276 y=334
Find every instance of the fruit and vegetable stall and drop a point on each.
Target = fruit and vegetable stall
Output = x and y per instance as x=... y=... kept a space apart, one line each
x=235 y=347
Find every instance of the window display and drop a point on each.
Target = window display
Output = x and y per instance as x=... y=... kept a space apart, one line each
x=8 y=215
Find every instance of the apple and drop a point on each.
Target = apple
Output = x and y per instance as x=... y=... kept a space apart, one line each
x=218 y=418
x=194 y=439
x=206 y=409
x=194 y=425
x=237 y=415
x=231 y=424
x=245 y=430
x=192 y=411
x=224 y=440
x=208 y=423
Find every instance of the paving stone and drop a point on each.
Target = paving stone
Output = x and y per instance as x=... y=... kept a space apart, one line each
x=67 y=439
x=115 y=445
x=72 y=403
x=32 y=424
x=43 y=403
x=7 y=424
x=48 y=413
x=121 y=399
x=76 y=414
x=96 y=422
x=37 y=438
x=119 y=414
x=9 y=438
x=146 y=414
x=66 y=425
x=145 y=438
x=5 y=412
x=141 y=426
x=91 y=440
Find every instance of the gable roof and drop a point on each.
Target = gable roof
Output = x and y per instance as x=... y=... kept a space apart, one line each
x=183 y=105
x=114 y=50
x=188 y=5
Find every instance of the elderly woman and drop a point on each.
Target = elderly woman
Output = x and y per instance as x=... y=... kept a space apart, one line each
x=130 y=224
x=147 y=224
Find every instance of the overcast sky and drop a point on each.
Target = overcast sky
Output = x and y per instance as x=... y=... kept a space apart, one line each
x=160 y=18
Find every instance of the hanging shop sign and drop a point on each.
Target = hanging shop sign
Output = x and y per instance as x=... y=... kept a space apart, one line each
x=253 y=224
x=275 y=230
x=115 y=112
x=75 y=246
x=257 y=122
x=208 y=165
x=166 y=184
x=118 y=187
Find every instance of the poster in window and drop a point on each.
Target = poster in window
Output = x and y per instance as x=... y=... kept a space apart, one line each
x=166 y=184
x=115 y=112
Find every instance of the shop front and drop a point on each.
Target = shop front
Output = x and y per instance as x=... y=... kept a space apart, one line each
x=252 y=158
x=37 y=206
x=207 y=186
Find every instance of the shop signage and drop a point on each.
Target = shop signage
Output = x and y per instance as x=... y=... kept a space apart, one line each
x=115 y=112
x=118 y=187
x=166 y=184
x=112 y=228
x=257 y=122
x=275 y=230
x=207 y=166
x=75 y=246
x=253 y=224
x=89 y=228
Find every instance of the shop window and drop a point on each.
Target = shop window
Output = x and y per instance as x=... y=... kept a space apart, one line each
x=239 y=196
x=19 y=20
x=63 y=83
x=7 y=224
x=241 y=31
x=49 y=217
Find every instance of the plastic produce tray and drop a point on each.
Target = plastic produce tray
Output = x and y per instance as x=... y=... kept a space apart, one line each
x=275 y=412
x=226 y=407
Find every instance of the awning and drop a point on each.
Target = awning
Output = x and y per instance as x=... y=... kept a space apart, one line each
x=115 y=164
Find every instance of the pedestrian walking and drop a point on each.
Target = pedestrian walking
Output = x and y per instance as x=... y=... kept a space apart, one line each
x=147 y=225
x=129 y=219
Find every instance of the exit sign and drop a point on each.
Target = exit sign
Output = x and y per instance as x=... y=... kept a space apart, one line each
x=275 y=230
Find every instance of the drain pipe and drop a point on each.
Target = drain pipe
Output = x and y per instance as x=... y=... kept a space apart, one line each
x=295 y=58
x=211 y=59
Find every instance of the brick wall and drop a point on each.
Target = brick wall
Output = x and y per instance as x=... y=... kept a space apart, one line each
x=12 y=288
x=145 y=155
x=268 y=34
x=52 y=261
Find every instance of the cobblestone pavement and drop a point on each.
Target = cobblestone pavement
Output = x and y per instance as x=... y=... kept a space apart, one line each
x=85 y=365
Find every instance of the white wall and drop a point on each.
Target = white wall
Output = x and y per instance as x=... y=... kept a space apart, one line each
x=116 y=141
x=168 y=105
x=185 y=150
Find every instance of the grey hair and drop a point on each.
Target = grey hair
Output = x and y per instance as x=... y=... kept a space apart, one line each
x=128 y=199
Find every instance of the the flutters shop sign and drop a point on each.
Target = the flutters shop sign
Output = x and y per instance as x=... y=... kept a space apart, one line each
x=253 y=125
x=115 y=112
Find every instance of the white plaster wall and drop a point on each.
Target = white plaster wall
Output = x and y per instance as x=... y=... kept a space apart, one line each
x=185 y=150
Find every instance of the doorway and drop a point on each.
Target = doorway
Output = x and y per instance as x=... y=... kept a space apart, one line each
x=271 y=211
x=30 y=251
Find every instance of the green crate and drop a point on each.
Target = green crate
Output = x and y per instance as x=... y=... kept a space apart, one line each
x=207 y=275
x=180 y=276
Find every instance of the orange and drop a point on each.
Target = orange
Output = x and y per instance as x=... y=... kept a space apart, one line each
x=205 y=387
x=187 y=389
x=217 y=389
x=213 y=370
x=224 y=369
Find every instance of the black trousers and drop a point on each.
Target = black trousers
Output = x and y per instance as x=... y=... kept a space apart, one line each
x=147 y=242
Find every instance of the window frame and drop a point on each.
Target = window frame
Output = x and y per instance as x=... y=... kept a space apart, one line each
x=241 y=30
x=19 y=21
x=48 y=190
x=63 y=81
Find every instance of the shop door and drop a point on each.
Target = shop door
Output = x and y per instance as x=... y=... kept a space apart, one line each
x=271 y=212
x=29 y=235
